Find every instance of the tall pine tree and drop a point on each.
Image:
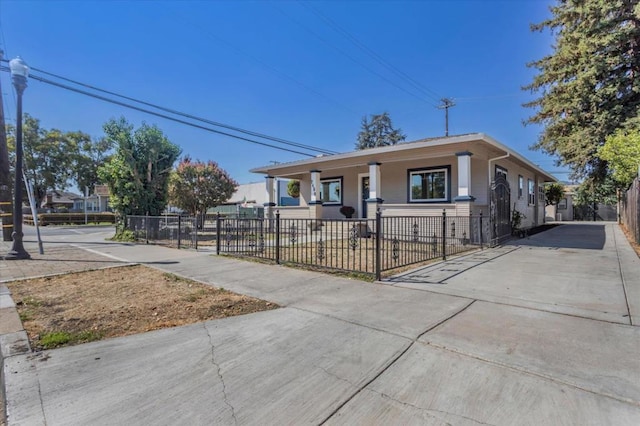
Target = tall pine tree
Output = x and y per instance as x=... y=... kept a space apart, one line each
x=589 y=86
x=378 y=132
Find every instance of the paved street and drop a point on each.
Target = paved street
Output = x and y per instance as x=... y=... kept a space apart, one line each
x=541 y=331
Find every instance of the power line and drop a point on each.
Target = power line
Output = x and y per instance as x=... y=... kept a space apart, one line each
x=416 y=84
x=186 y=115
x=177 y=120
x=264 y=64
x=372 y=71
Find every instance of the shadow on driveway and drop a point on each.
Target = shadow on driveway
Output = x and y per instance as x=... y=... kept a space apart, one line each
x=582 y=236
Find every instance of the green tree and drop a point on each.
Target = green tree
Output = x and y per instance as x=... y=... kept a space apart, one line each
x=378 y=132
x=138 y=172
x=49 y=156
x=589 y=193
x=195 y=186
x=622 y=152
x=293 y=188
x=92 y=154
x=553 y=193
x=588 y=86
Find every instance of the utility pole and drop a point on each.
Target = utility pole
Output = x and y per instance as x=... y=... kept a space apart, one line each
x=6 y=205
x=446 y=104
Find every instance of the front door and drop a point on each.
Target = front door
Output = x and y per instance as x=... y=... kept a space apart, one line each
x=364 y=190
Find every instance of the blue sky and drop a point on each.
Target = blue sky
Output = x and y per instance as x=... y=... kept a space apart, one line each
x=287 y=69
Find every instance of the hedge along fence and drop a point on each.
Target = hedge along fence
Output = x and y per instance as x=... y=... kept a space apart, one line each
x=45 y=219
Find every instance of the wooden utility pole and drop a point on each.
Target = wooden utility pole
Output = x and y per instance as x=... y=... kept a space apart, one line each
x=6 y=206
x=446 y=104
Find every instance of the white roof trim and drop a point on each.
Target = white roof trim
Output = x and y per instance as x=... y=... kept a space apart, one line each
x=422 y=143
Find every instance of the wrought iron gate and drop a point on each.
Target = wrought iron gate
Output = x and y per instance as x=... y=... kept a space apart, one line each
x=500 y=213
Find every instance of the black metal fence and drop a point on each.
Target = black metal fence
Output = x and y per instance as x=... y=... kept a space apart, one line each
x=368 y=246
x=595 y=212
x=175 y=231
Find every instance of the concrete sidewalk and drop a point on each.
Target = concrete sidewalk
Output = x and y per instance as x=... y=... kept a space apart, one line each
x=482 y=347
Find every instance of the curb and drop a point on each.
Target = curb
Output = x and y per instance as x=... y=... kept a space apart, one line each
x=13 y=342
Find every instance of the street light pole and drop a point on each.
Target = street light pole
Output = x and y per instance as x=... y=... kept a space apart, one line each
x=19 y=73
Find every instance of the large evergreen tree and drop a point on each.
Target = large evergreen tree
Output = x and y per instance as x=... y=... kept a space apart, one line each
x=589 y=86
x=378 y=132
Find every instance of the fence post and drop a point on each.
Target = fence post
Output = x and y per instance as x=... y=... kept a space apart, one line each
x=378 y=250
x=481 y=231
x=179 y=229
x=195 y=230
x=146 y=229
x=444 y=234
x=278 y=237
x=218 y=227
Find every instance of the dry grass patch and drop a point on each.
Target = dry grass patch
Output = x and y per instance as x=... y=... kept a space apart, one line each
x=82 y=307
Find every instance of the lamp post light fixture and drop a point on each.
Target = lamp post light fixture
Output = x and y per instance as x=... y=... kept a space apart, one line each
x=19 y=73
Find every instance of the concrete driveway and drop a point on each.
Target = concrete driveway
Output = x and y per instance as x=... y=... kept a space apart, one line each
x=503 y=339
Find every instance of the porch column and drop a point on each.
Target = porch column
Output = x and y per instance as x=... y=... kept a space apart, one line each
x=269 y=205
x=315 y=203
x=374 y=200
x=464 y=177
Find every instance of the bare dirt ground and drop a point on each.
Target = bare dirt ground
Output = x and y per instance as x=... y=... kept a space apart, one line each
x=81 y=307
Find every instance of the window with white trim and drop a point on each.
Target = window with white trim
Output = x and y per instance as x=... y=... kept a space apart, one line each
x=520 y=186
x=531 y=192
x=331 y=191
x=429 y=185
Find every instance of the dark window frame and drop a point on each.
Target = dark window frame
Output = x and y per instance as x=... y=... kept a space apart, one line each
x=332 y=203
x=447 y=190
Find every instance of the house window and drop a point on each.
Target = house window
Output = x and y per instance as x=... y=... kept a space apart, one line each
x=562 y=205
x=520 y=186
x=532 y=192
x=331 y=191
x=541 y=195
x=501 y=171
x=429 y=185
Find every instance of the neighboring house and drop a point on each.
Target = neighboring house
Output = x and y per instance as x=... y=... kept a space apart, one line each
x=55 y=200
x=563 y=211
x=568 y=210
x=465 y=174
x=97 y=202
x=253 y=196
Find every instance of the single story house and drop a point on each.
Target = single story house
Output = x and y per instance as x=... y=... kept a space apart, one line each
x=97 y=202
x=563 y=211
x=251 y=197
x=55 y=200
x=463 y=175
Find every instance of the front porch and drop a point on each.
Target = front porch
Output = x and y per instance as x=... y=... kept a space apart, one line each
x=417 y=187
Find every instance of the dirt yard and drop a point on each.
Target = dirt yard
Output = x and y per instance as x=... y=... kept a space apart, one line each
x=87 y=306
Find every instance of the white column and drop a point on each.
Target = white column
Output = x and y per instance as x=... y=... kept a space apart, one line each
x=464 y=177
x=269 y=205
x=315 y=188
x=269 y=187
x=374 y=182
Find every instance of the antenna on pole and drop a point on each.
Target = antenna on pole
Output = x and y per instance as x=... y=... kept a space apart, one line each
x=446 y=104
